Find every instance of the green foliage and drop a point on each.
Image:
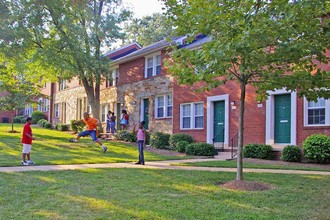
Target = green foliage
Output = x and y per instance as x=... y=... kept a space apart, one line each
x=175 y=138
x=42 y=122
x=291 y=153
x=317 y=148
x=149 y=29
x=19 y=119
x=200 y=149
x=125 y=135
x=181 y=146
x=47 y=125
x=62 y=127
x=159 y=140
x=261 y=151
x=77 y=126
x=36 y=116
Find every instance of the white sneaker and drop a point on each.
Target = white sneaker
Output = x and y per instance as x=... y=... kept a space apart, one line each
x=104 y=148
x=30 y=162
x=25 y=163
x=73 y=140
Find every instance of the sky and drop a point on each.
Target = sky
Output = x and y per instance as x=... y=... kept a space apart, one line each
x=144 y=7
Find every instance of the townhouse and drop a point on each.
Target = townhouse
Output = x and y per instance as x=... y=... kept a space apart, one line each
x=141 y=84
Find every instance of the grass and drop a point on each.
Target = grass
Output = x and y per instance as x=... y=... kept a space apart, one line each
x=233 y=164
x=53 y=147
x=159 y=194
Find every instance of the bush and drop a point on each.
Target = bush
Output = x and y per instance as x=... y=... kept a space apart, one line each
x=200 y=149
x=181 y=146
x=291 y=153
x=126 y=136
x=261 y=151
x=160 y=140
x=175 y=138
x=47 y=125
x=36 y=116
x=42 y=122
x=317 y=148
x=62 y=127
x=19 y=119
x=77 y=126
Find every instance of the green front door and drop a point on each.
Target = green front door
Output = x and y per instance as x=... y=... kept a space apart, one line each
x=283 y=118
x=146 y=113
x=219 y=121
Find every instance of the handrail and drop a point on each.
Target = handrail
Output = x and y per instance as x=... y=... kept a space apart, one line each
x=232 y=145
x=221 y=132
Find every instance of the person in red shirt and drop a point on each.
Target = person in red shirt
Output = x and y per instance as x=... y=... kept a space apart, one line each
x=27 y=138
x=91 y=130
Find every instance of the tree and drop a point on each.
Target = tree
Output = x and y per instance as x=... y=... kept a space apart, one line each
x=63 y=38
x=18 y=89
x=268 y=44
x=148 y=29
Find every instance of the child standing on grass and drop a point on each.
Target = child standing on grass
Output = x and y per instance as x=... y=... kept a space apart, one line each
x=27 y=138
x=141 y=136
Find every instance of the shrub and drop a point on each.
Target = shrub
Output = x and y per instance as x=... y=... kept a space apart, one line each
x=62 y=127
x=77 y=126
x=200 y=149
x=42 y=122
x=159 y=140
x=261 y=151
x=19 y=119
x=175 y=138
x=291 y=153
x=47 y=125
x=36 y=116
x=181 y=146
x=126 y=136
x=317 y=148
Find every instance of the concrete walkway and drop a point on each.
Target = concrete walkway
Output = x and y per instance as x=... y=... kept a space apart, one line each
x=158 y=165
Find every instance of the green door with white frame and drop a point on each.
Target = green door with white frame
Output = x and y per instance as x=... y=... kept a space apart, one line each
x=219 y=121
x=282 y=119
x=146 y=113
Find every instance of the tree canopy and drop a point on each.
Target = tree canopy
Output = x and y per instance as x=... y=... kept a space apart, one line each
x=148 y=29
x=62 y=38
x=268 y=44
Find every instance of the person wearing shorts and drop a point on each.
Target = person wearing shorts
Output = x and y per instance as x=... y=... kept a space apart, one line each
x=91 y=130
x=27 y=138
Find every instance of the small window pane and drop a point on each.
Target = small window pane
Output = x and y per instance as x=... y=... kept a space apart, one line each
x=186 y=122
x=199 y=109
x=316 y=116
x=186 y=110
x=158 y=70
x=199 y=122
x=319 y=103
x=149 y=72
x=150 y=62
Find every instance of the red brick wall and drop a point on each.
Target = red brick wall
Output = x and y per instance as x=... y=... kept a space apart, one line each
x=302 y=131
x=254 y=117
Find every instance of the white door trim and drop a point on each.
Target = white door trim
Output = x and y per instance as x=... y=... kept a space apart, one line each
x=210 y=118
x=270 y=113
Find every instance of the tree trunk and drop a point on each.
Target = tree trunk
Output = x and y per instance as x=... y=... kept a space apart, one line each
x=12 y=121
x=239 y=175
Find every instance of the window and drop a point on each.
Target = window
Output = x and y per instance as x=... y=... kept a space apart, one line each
x=153 y=65
x=113 y=80
x=57 y=110
x=317 y=113
x=192 y=116
x=46 y=105
x=28 y=110
x=62 y=85
x=104 y=110
x=163 y=106
x=40 y=104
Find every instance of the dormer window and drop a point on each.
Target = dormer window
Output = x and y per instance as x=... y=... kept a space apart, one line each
x=153 y=65
x=62 y=85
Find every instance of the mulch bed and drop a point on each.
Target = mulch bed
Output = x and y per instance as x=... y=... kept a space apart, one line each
x=244 y=185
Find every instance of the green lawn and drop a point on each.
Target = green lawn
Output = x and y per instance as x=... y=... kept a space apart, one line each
x=53 y=147
x=159 y=194
x=233 y=164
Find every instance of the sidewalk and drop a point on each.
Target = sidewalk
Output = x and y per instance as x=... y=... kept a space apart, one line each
x=158 y=165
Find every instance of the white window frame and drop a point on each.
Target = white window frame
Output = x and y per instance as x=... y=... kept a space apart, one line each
x=57 y=110
x=104 y=111
x=327 y=114
x=62 y=85
x=164 y=107
x=154 y=64
x=114 y=77
x=46 y=105
x=192 y=116
x=40 y=104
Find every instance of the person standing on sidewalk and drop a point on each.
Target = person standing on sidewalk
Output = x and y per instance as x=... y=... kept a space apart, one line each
x=27 y=138
x=113 y=123
x=91 y=130
x=141 y=136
